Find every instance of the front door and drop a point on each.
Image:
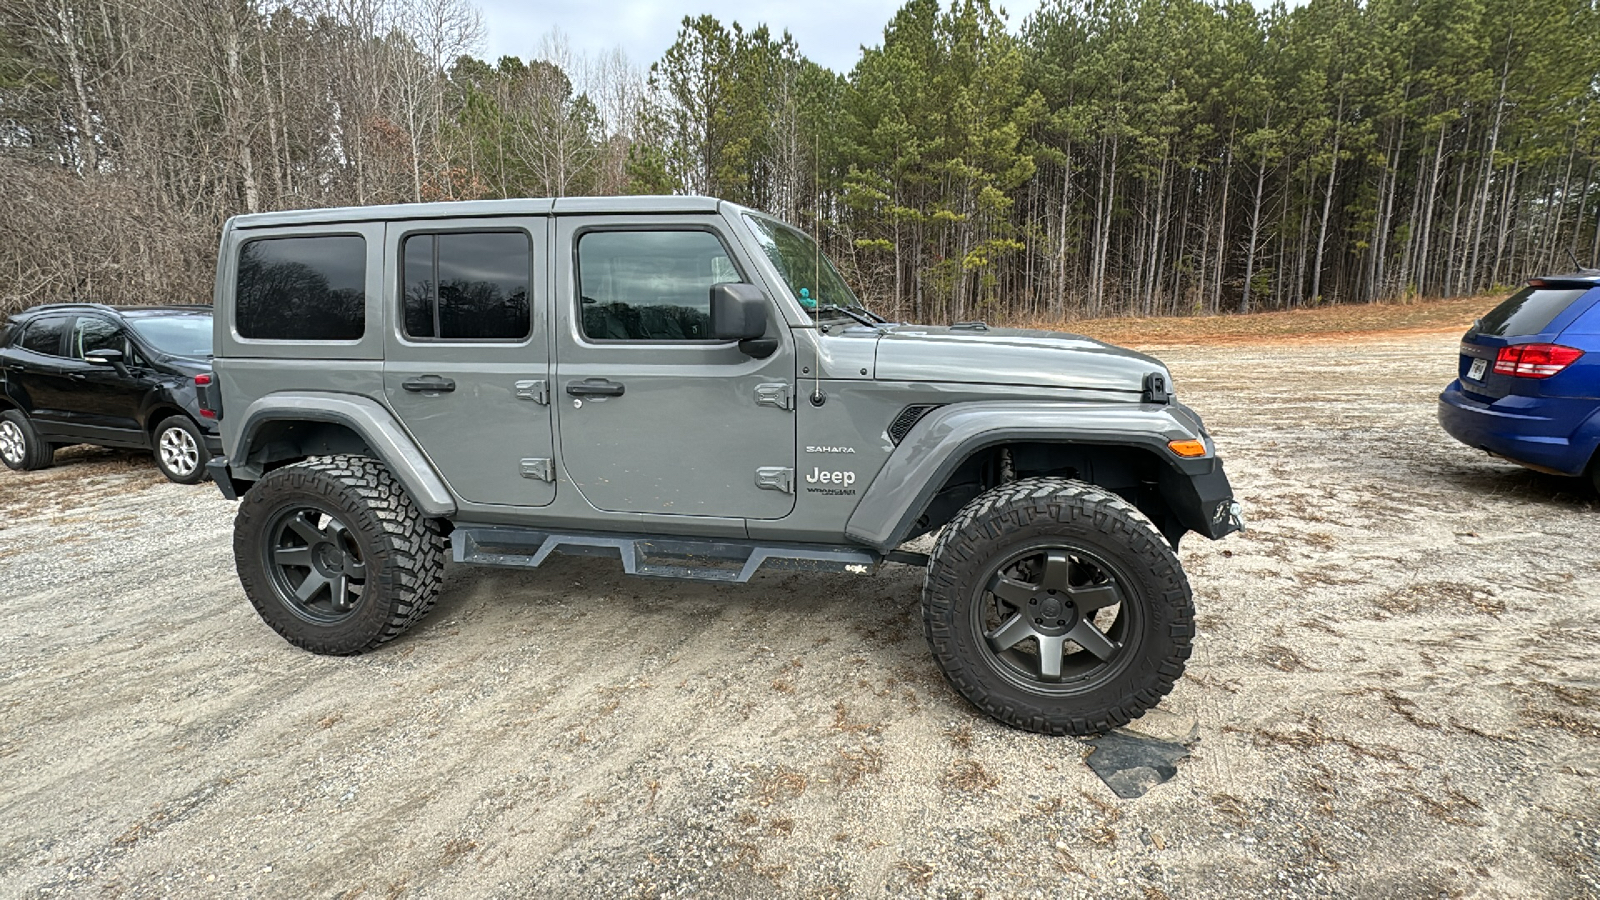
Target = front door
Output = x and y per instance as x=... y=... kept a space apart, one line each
x=656 y=416
x=467 y=359
x=106 y=403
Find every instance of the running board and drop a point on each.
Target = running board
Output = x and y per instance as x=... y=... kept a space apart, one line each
x=730 y=561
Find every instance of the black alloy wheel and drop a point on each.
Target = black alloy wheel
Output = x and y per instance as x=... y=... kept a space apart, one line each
x=1055 y=606
x=316 y=566
x=1053 y=620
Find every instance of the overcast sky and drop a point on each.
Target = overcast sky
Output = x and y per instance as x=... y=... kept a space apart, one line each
x=829 y=32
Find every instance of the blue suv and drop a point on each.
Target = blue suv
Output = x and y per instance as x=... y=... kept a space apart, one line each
x=1528 y=386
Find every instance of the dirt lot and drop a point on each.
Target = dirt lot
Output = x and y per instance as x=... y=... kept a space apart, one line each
x=1396 y=689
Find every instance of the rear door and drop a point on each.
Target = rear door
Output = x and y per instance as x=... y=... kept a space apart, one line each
x=467 y=357
x=36 y=367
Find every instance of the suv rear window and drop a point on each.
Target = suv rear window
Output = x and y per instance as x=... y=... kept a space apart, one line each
x=44 y=336
x=1529 y=311
x=467 y=285
x=302 y=288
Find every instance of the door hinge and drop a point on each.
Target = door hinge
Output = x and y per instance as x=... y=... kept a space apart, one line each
x=775 y=478
x=537 y=391
x=777 y=395
x=540 y=469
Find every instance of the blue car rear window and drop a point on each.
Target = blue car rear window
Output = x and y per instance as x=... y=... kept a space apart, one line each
x=1529 y=311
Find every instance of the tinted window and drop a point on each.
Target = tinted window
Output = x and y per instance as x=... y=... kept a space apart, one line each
x=302 y=289
x=467 y=286
x=1528 y=311
x=94 y=333
x=44 y=336
x=650 y=285
x=181 y=335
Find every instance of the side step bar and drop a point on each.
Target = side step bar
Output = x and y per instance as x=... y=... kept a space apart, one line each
x=699 y=559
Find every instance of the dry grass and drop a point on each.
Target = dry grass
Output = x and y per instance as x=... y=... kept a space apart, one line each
x=1302 y=325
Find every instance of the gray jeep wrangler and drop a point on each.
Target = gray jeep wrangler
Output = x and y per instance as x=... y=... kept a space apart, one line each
x=690 y=387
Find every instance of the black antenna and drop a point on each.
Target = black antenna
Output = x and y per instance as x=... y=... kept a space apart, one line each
x=1575 y=264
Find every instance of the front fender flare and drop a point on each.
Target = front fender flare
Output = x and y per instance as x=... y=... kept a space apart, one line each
x=946 y=437
x=367 y=418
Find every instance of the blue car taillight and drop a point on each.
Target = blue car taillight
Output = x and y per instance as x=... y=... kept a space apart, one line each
x=1534 y=360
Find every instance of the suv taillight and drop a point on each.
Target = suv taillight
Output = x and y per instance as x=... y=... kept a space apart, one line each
x=201 y=384
x=1534 y=360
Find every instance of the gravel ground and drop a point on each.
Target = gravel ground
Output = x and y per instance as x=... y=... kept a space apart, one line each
x=1396 y=690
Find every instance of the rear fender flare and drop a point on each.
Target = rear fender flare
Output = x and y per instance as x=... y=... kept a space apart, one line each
x=370 y=420
x=943 y=439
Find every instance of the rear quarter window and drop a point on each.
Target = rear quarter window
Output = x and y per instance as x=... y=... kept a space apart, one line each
x=1528 y=311
x=302 y=288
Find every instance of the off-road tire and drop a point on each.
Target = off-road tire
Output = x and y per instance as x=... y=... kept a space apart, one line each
x=35 y=453
x=168 y=436
x=402 y=552
x=1046 y=513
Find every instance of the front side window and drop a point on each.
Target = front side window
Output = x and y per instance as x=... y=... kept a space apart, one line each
x=467 y=286
x=44 y=336
x=302 y=288
x=92 y=333
x=650 y=285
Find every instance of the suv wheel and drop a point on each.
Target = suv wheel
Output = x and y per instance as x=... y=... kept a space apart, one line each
x=1056 y=607
x=334 y=556
x=181 y=452
x=21 y=448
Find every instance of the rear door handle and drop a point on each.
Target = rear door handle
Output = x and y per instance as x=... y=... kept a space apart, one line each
x=429 y=384
x=595 y=387
x=77 y=376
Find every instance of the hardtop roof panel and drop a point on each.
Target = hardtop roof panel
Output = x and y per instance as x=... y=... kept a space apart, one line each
x=478 y=209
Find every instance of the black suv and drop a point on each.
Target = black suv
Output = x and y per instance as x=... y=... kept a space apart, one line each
x=118 y=377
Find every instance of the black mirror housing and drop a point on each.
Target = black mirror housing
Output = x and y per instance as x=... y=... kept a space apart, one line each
x=106 y=357
x=738 y=312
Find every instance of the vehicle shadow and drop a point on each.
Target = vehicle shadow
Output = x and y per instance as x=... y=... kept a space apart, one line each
x=1508 y=480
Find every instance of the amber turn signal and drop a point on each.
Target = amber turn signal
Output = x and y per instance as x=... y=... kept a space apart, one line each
x=1187 y=449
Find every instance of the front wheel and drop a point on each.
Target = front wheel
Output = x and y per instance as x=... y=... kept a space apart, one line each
x=1056 y=607
x=181 y=452
x=335 y=556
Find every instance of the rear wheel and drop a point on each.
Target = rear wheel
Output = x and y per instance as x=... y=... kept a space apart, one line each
x=21 y=448
x=181 y=452
x=1057 y=607
x=334 y=555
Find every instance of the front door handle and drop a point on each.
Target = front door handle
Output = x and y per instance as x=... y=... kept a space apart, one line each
x=594 y=387
x=429 y=384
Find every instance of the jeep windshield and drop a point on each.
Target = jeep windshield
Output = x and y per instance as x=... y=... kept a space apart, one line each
x=181 y=334
x=808 y=273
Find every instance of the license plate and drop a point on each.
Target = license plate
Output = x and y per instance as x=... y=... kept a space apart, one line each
x=1478 y=367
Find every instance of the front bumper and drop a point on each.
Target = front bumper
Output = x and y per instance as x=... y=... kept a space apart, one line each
x=1539 y=434
x=1199 y=495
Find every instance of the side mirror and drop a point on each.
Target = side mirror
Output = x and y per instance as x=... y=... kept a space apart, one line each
x=108 y=357
x=739 y=313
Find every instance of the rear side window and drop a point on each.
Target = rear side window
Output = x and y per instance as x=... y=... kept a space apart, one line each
x=44 y=336
x=302 y=288
x=467 y=286
x=650 y=285
x=1529 y=311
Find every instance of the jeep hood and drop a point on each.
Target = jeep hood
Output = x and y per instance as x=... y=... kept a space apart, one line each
x=1010 y=356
